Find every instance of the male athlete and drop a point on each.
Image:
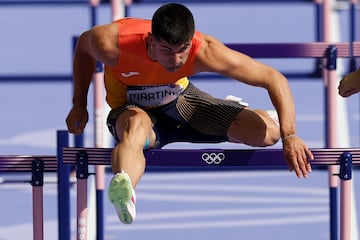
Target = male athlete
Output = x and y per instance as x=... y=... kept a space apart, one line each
x=153 y=102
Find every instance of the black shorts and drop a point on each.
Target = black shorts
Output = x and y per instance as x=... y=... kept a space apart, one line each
x=194 y=117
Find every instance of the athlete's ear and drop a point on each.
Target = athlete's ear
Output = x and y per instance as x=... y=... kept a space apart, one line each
x=151 y=39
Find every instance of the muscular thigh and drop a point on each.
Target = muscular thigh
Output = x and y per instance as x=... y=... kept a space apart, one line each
x=255 y=128
x=118 y=118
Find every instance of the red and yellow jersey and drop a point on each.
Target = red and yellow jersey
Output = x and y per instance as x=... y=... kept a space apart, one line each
x=138 y=79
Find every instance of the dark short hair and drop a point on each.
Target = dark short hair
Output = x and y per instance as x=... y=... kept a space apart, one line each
x=173 y=23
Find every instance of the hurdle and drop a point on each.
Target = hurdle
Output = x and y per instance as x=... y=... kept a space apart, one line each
x=37 y=166
x=213 y=159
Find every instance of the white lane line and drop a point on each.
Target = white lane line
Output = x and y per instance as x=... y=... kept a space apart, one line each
x=25 y=230
x=204 y=198
x=173 y=215
x=274 y=189
x=40 y=138
x=315 y=218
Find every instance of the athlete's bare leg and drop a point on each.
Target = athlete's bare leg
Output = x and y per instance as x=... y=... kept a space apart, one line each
x=254 y=128
x=133 y=127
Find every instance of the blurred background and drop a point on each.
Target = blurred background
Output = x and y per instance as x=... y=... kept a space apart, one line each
x=36 y=47
x=36 y=53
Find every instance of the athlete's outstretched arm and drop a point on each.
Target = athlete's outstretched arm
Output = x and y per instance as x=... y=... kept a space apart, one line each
x=216 y=57
x=94 y=45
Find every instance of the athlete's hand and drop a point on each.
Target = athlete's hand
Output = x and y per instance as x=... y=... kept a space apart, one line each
x=297 y=155
x=77 y=119
x=350 y=84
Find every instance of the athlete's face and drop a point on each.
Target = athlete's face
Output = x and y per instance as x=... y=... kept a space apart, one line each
x=171 y=57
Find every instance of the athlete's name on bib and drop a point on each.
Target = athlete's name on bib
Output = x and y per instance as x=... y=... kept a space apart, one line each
x=152 y=96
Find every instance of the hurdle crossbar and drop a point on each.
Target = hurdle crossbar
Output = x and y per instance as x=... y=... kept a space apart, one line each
x=205 y=157
x=36 y=165
x=23 y=163
x=296 y=50
x=264 y=157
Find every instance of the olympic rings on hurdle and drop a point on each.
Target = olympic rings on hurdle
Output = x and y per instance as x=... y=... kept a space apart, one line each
x=211 y=158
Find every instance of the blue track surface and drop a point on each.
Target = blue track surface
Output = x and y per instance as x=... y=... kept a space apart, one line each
x=195 y=205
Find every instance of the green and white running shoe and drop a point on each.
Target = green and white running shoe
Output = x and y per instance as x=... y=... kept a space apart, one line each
x=122 y=195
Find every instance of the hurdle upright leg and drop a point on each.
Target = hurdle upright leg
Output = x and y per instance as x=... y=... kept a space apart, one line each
x=37 y=182
x=330 y=82
x=82 y=174
x=345 y=195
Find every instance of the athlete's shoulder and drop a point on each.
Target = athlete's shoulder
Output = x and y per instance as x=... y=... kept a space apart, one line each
x=209 y=54
x=210 y=43
x=206 y=39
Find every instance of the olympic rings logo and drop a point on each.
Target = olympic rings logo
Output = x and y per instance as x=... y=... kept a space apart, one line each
x=211 y=158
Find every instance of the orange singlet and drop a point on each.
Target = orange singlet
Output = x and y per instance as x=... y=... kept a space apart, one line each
x=138 y=79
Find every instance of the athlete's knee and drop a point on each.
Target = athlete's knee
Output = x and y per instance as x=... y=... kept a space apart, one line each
x=139 y=120
x=272 y=135
x=269 y=137
x=140 y=127
x=133 y=125
x=133 y=118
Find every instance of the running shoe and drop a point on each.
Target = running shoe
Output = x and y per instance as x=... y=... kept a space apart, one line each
x=122 y=195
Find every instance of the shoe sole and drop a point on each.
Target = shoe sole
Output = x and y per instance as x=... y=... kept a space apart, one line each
x=120 y=193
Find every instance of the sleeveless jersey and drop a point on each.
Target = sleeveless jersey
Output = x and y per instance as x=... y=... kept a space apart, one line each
x=138 y=79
